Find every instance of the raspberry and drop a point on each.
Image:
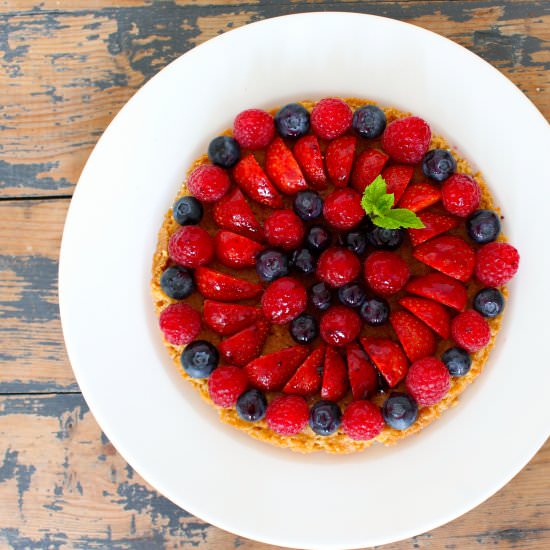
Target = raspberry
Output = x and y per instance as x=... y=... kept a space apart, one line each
x=191 y=246
x=470 y=330
x=386 y=272
x=287 y=414
x=208 y=183
x=406 y=140
x=283 y=300
x=225 y=385
x=428 y=381
x=343 y=209
x=331 y=118
x=338 y=266
x=180 y=323
x=496 y=263
x=253 y=128
x=362 y=420
x=460 y=195
x=284 y=228
x=340 y=325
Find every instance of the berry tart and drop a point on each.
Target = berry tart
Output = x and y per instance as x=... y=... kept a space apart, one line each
x=331 y=274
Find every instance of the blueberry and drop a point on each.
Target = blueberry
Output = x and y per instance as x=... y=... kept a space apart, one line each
x=177 y=282
x=457 y=361
x=292 y=121
x=304 y=329
x=355 y=241
x=375 y=311
x=199 y=359
x=369 y=121
x=187 y=211
x=325 y=417
x=489 y=302
x=438 y=164
x=308 y=205
x=302 y=260
x=251 y=405
x=224 y=151
x=317 y=239
x=351 y=295
x=399 y=410
x=271 y=264
x=483 y=226
x=320 y=296
x=385 y=239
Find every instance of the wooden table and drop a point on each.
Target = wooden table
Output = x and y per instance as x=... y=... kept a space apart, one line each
x=65 y=70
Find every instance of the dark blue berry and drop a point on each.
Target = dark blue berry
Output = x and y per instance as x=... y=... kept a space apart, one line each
x=385 y=239
x=457 y=361
x=251 y=405
x=187 y=211
x=224 y=151
x=320 y=296
x=369 y=121
x=292 y=121
x=271 y=264
x=317 y=239
x=399 y=410
x=483 y=226
x=375 y=311
x=302 y=260
x=325 y=417
x=355 y=241
x=304 y=329
x=438 y=164
x=308 y=205
x=489 y=302
x=199 y=359
x=177 y=282
x=351 y=295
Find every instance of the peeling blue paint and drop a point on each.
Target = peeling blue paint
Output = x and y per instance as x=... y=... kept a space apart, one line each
x=154 y=541
x=12 y=469
x=51 y=406
x=29 y=175
x=16 y=541
x=33 y=386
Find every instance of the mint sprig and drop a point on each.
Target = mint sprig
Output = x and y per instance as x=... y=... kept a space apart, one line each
x=378 y=204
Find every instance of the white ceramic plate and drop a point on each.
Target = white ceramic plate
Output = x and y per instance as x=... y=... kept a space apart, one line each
x=161 y=426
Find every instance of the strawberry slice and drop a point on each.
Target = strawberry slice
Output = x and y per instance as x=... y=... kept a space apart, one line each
x=440 y=288
x=416 y=338
x=397 y=178
x=308 y=154
x=419 y=196
x=339 y=158
x=335 y=376
x=234 y=213
x=388 y=358
x=271 y=372
x=236 y=251
x=282 y=168
x=227 y=319
x=307 y=379
x=450 y=255
x=243 y=347
x=362 y=374
x=431 y=313
x=435 y=225
x=367 y=166
x=252 y=180
x=219 y=286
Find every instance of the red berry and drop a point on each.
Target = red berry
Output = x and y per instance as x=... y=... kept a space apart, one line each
x=460 y=195
x=416 y=338
x=440 y=288
x=283 y=169
x=339 y=159
x=388 y=358
x=338 y=266
x=253 y=128
x=227 y=319
x=470 y=330
x=307 y=379
x=335 y=376
x=283 y=228
x=208 y=183
x=386 y=272
x=406 y=140
x=251 y=178
x=362 y=420
x=397 y=177
x=340 y=325
x=308 y=154
x=342 y=209
x=225 y=385
x=496 y=263
x=283 y=300
x=362 y=375
x=432 y=313
x=219 y=286
x=368 y=165
x=434 y=224
x=331 y=118
x=428 y=381
x=419 y=196
x=246 y=345
x=287 y=414
x=180 y=323
x=236 y=251
x=191 y=246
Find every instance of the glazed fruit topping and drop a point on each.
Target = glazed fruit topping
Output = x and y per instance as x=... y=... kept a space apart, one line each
x=308 y=205
x=470 y=330
x=438 y=164
x=225 y=288
x=399 y=411
x=431 y=313
x=339 y=159
x=320 y=296
x=434 y=225
x=317 y=239
x=308 y=154
x=457 y=361
x=283 y=169
x=340 y=326
x=251 y=405
x=253 y=128
x=367 y=167
x=240 y=348
x=287 y=414
x=177 y=282
x=397 y=177
x=338 y=266
x=236 y=251
x=362 y=375
x=226 y=384
x=272 y=264
x=369 y=121
x=489 y=302
x=208 y=183
x=496 y=263
x=428 y=381
x=187 y=211
x=302 y=261
x=325 y=417
x=351 y=295
x=460 y=195
x=283 y=300
x=355 y=240
x=304 y=329
x=180 y=323
x=227 y=319
x=407 y=139
x=307 y=379
x=224 y=151
x=388 y=358
x=292 y=121
x=419 y=196
x=440 y=288
x=335 y=376
x=375 y=311
x=191 y=246
x=343 y=209
x=284 y=229
x=483 y=226
x=386 y=272
x=330 y=118
x=199 y=359
x=362 y=421
x=385 y=239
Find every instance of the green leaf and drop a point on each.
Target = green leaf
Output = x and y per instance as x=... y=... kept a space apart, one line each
x=383 y=205
x=372 y=193
x=403 y=217
x=386 y=222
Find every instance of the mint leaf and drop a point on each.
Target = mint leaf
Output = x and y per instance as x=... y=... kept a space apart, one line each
x=372 y=194
x=386 y=222
x=403 y=217
x=383 y=205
